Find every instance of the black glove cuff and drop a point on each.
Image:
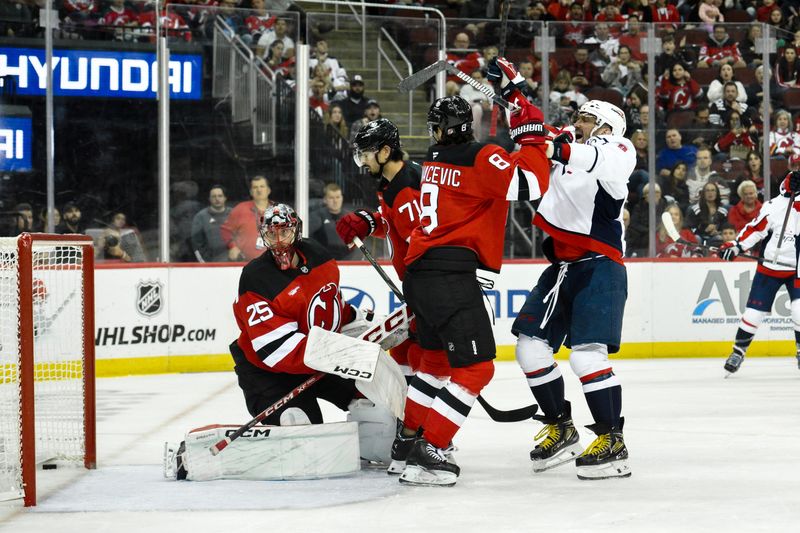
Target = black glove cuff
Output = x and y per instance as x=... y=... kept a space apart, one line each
x=558 y=153
x=367 y=217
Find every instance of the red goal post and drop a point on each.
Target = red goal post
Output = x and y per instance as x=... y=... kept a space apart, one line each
x=47 y=384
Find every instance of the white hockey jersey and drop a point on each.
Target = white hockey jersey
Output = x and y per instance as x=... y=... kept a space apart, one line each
x=766 y=228
x=783 y=142
x=583 y=206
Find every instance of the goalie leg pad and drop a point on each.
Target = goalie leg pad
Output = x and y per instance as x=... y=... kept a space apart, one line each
x=388 y=388
x=270 y=453
x=376 y=430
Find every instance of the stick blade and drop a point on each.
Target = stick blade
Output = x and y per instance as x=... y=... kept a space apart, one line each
x=669 y=226
x=421 y=76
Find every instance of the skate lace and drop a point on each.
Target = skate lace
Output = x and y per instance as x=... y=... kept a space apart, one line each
x=434 y=452
x=550 y=433
x=601 y=444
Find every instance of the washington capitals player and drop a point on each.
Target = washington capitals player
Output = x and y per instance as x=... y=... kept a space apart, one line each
x=579 y=300
x=464 y=193
x=777 y=270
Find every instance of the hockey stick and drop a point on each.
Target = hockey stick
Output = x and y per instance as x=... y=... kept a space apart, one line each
x=221 y=445
x=514 y=415
x=501 y=52
x=785 y=221
x=421 y=76
x=672 y=231
x=485 y=89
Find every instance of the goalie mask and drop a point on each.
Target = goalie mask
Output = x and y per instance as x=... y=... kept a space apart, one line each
x=452 y=116
x=369 y=141
x=281 y=230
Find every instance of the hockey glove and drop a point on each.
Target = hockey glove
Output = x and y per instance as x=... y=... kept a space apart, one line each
x=558 y=151
x=527 y=124
x=502 y=71
x=359 y=224
x=794 y=181
x=729 y=250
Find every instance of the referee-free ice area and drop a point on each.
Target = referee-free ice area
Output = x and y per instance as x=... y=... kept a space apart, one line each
x=707 y=454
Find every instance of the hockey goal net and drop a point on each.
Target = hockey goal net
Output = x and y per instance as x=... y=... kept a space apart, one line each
x=46 y=358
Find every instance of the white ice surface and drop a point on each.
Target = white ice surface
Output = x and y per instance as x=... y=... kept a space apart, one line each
x=707 y=454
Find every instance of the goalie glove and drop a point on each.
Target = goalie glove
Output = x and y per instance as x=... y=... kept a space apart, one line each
x=359 y=224
x=729 y=250
x=361 y=321
x=388 y=331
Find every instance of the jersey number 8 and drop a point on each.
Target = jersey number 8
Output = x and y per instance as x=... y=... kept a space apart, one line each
x=429 y=198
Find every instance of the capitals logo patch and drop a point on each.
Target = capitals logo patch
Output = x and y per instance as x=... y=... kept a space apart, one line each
x=325 y=308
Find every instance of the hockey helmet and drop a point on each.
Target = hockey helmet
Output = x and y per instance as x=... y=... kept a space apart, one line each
x=281 y=230
x=372 y=137
x=452 y=115
x=605 y=114
x=794 y=162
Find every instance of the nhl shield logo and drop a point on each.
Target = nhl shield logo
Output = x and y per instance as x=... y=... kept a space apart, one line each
x=148 y=297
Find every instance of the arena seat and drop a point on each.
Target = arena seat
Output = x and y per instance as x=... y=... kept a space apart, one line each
x=745 y=75
x=609 y=95
x=680 y=119
x=791 y=99
x=778 y=166
x=737 y=15
x=704 y=76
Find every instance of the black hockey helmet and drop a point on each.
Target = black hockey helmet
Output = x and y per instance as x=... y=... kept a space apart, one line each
x=373 y=136
x=276 y=220
x=452 y=115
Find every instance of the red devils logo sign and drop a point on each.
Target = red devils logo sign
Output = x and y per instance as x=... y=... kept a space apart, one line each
x=325 y=309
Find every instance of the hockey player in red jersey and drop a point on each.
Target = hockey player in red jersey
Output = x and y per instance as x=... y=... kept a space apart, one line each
x=282 y=294
x=464 y=192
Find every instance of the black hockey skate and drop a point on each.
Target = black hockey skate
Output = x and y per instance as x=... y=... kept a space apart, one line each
x=173 y=461
x=560 y=444
x=733 y=362
x=427 y=465
x=606 y=456
x=401 y=447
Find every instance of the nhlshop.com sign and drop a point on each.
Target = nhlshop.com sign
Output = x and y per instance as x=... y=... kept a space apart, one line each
x=97 y=73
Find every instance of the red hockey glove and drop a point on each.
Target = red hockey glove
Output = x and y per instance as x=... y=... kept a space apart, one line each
x=527 y=125
x=503 y=71
x=729 y=250
x=359 y=224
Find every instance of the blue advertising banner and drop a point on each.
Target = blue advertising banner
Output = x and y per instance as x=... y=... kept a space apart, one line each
x=15 y=144
x=99 y=73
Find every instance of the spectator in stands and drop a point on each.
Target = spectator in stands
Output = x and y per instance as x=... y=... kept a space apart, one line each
x=674 y=152
x=665 y=12
x=607 y=46
x=355 y=102
x=638 y=235
x=750 y=54
x=464 y=59
x=116 y=17
x=228 y=13
x=274 y=58
x=110 y=246
x=725 y=75
x=720 y=49
x=632 y=38
x=70 y=220
x=754 y=171
x=640 y=174
x=709 y=12
x=573 y=32
x=335 y=69
x=748 y=207
x=778 y=20
x=17 y=19
x=563 y=93
x=707 y=215
x=728 y=232
x=678 y=91
x=623 y=72
x=207 y=243
x=318 y=99
x=632 y=106
x=480 y=103
x=526 y=70
x=665 y=246
x=371 y=112
x=737 y=142
x=699 y=174
x=334 y=119
x=559 y=9
x=322 y=223
x=674 y=187
x=80 y=12
x=787 y=70
x=702 y=131
x=43 y=219
x=278 y=32
x=783 y=141
x=720 y=110
x=130 y=242
x=240 y=230
x=259 y=21
x=763 y=11
x=584 y=74
x=610 y=14
x=671 y=54
x=755 y=90
x=24 y=218
x=173 y=25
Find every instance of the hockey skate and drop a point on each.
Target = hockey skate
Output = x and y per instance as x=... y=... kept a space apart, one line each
x=427 y=465
x=173 y=461
x=606 y=456
x=734 y=361
x=401 y=447
x=560 y=444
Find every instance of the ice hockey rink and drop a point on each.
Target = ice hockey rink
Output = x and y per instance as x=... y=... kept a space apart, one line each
x=707 y=454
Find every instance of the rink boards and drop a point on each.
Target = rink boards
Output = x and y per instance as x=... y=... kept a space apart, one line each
x=155 y=319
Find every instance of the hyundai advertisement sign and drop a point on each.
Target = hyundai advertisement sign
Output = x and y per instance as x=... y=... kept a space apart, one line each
x=15 y=144
x=98 y=73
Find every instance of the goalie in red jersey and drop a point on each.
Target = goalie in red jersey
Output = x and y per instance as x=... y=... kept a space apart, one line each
x=464 y=192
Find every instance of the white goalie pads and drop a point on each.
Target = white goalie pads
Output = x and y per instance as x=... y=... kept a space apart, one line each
x=271 y=453
x=388 y=388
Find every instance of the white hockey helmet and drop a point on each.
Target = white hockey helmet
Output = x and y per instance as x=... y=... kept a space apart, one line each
x=606 y=114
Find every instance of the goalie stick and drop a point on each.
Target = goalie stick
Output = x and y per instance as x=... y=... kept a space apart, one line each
x=514 y=415
x=672 y=231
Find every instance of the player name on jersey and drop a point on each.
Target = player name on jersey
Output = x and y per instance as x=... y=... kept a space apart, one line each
x=438 y=175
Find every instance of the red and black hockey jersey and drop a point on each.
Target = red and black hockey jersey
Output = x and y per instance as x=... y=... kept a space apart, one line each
x=276 y=308
x=464 y=195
